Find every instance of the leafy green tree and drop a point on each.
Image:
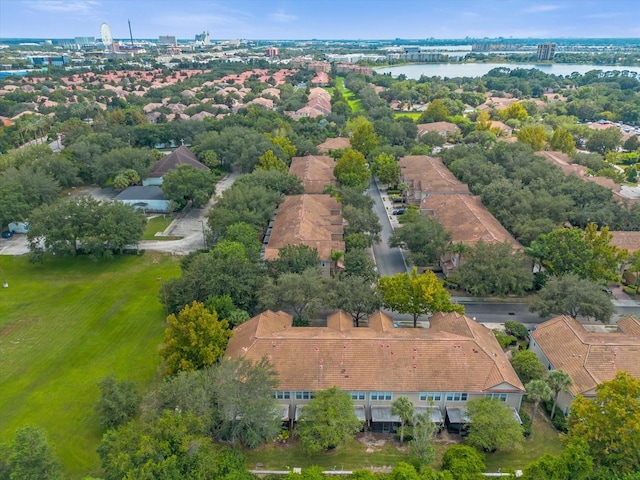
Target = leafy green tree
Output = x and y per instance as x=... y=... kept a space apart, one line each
x=303 y=292
x=534 y=136
x=269 y=161
x=494 y=269
x=464 y=463
x=558 y=381
x=387 y=169
x=425 y=237
x=173 y=446
x=562 y=141
x=273 y=181
x=609 y=424
x=575 y=463
x=516 y=329
x=587 y=253
x=32 y=458
x=403 y=408
x=244 y=408
x=436 y=112
x=186 y=184
x=416 y=294
x=294 y=259
x=537 y=391
x=194 y=339
x=515 y=111
x=351 y=170
x=421 y=446
x=363 y=221
x=84 y=225
x=573 y=296
x=359 y=263
x=493 y=426
x=327 y=421
x=246 y=235
x=356 y=296
x=119 y=402
x=603 y=141
x=126 y=178
x=632 y=174
x=631 y=144
x=363 y=136
x=527 y=366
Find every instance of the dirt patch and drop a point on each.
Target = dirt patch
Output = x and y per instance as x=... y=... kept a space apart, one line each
x=372 y=441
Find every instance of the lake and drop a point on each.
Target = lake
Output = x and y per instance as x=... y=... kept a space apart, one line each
x=479 y=69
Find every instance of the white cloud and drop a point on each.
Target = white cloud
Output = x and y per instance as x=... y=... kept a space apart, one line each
x=78 y=7
x=282 y=17
x=541 y=8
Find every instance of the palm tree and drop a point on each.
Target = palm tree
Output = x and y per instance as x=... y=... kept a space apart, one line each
x=537 y=390
x=403 y=408
x=558 y=381
x=336 y=256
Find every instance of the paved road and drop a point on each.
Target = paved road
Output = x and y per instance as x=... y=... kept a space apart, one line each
x=388 y=260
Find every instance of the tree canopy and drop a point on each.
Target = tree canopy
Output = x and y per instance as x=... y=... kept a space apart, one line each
x=425 y=237
x=186 y=184
x=327 y=421
x=351 y=170
x=527 y=366
x=416 y=294
x=194 y=339
x=493 y=426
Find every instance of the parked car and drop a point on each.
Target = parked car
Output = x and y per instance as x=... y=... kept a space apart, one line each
x=399 y=211
x=7 y=234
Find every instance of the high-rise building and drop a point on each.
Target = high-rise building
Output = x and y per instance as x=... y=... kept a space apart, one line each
x=546 y=51
x=167 y=40
x=202 y=39
x=85 y=41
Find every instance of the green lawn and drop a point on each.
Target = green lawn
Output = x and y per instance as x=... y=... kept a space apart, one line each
x=158 y=224
x=64 y=325
x=411 y=115
x=354 y=103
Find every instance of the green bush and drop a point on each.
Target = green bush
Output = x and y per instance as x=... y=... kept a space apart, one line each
x=559 y=420
x=630 y=290
x=516 y=329
x=526 y=423
x=503 y=339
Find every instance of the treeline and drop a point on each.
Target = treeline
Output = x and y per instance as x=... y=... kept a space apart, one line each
x=531 y=197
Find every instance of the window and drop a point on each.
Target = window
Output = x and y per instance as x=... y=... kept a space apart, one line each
x=280 y=395
x=381 y=395
x=304 y=395
x=498 y=396
x=430 y=396
x=456 y=397
x=358 y=395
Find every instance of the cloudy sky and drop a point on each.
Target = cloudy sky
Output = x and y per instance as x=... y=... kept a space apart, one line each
x=322 y=19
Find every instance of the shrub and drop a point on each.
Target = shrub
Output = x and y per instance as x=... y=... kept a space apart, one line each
x=516 y=329
x=630 y=290
x=559 y=420
x=503 y=339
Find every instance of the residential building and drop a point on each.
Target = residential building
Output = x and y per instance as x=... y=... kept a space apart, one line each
x=425 y=176
x=438 y=368
x=337 y=143
x=167 y=40
x=546 y=51
x=315 y=171
x=180 y=156
x=312 y=220
x=589 y=358
x=148 y=199
x=443 y=128
x=468 y=221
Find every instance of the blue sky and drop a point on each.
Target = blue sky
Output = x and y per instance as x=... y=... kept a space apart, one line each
x=322 y=19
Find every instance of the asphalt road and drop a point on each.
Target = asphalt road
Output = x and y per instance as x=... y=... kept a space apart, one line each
x=388 y=260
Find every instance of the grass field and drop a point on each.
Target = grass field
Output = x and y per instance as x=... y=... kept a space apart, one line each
x=354 y=103
x=64 y=325
x=412 y=115
x=158 y=224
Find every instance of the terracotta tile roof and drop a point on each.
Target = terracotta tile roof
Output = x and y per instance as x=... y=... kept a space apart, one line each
x=429 y=175
x=313 y=220
x=626 y=240
x=180 y=156
x=630 y=326
x=467 y=219
x=337 y=143
x=589 y=358
x=565 y=162
x=315 y=171
x=365 y=358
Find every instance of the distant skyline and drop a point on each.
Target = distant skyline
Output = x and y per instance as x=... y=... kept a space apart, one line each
x=321 y=19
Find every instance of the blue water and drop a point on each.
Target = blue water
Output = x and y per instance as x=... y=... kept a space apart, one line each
x=452 y=70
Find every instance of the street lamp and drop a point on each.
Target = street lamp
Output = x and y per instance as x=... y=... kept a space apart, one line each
x=164 y=297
